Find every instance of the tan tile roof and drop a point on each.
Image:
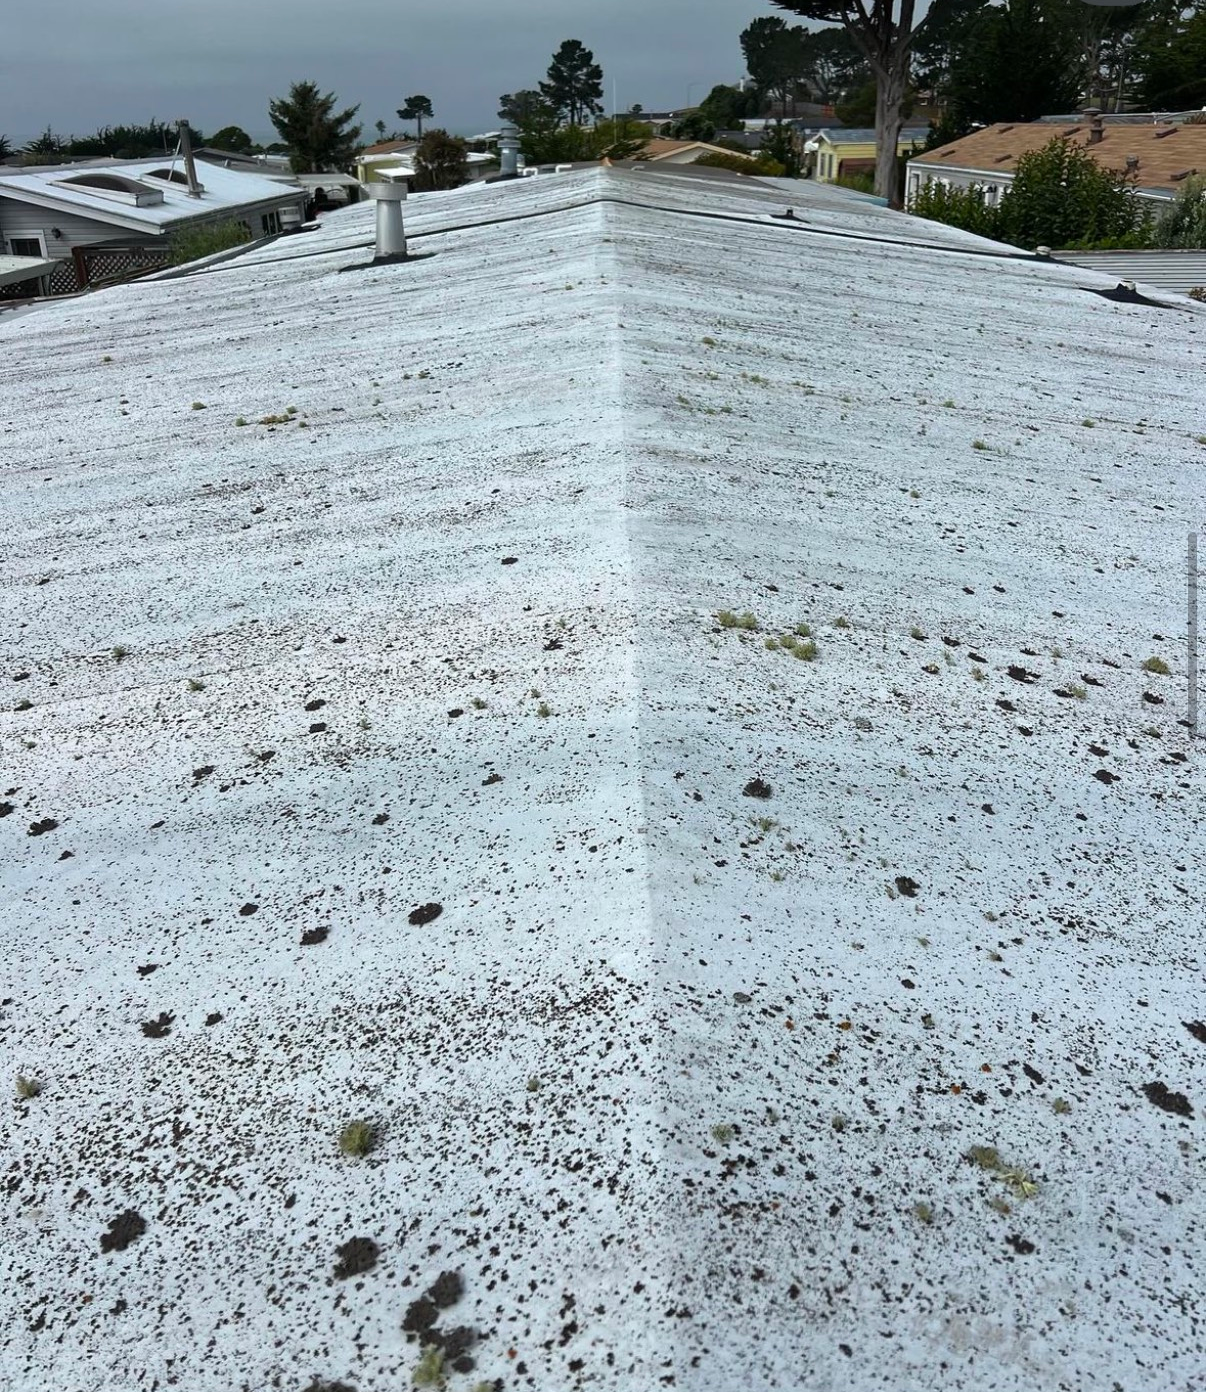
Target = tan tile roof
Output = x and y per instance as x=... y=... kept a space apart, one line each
x=1166 y=153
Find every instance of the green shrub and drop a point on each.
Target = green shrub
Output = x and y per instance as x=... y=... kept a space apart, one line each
x=740 y=164
x=1060 y=197
x=440 y=161
x=860 y=180
x=196 y=242
x=1156 y=665
x=957 y=207
x=1184 y=223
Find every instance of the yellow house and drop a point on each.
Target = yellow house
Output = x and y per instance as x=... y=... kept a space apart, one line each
x=853 y=151
x=384 y=160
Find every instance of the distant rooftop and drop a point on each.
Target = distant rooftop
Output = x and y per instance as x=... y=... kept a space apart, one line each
x=139 y=193
x=1164 y=155
x=865 y=135
x=1127 y=118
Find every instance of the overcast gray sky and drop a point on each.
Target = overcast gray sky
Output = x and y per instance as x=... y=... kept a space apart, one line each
x=78 y=64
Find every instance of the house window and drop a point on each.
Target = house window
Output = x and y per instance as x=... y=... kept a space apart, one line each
x=27 y=246
x=271 y=223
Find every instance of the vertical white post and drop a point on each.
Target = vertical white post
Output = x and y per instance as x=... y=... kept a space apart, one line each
x=1193 y=635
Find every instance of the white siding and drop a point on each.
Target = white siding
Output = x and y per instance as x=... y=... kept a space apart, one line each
x=19 y=219
x=26 y=220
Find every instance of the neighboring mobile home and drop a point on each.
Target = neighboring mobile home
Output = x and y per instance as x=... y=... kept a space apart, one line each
x=1158 y=156
x=852 y=151
x=125 y=215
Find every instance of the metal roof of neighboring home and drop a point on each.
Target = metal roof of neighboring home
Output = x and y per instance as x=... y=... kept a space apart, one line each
x=1166 y=154
x=1126 y=118
x=223 y=190
x=855 y=135
x=380 y=741
x=1180 y=271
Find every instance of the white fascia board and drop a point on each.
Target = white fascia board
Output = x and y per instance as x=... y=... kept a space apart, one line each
x=79 y=209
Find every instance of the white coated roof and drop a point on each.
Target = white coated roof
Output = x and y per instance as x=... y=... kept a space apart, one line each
x=17 y=268
x=223 y=189
x=891 y=1078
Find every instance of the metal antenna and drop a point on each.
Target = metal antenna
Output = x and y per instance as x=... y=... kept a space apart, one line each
x=1193 y=635
x=190 y=169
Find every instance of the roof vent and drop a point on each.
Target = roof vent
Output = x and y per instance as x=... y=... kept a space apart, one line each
x=1132 y=163
x=1096 y=125
x=391 y=234
x=508 y=152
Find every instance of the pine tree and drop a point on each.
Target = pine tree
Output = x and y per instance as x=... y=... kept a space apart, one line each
x=317 y=136
x=526 y=108
x=418 y=109
x=575 y=83
x=775 y=57
x=233 y=138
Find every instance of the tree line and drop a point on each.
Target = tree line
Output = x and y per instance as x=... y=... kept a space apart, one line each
x=977 y=61
x=984 y=62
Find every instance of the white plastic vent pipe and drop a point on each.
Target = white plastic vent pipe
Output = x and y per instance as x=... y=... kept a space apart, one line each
x=391 y=235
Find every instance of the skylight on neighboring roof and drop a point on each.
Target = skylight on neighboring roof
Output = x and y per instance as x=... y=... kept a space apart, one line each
x=175 y=176
x=117 y=187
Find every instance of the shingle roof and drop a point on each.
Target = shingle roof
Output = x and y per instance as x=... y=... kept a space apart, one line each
x=388 y=147
x=1166 y=153
x=659 y=147
x=857 y=1084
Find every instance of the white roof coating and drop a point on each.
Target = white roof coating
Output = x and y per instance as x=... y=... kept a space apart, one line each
x=222 y=189
x=725 y=1019
x=14 y=269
